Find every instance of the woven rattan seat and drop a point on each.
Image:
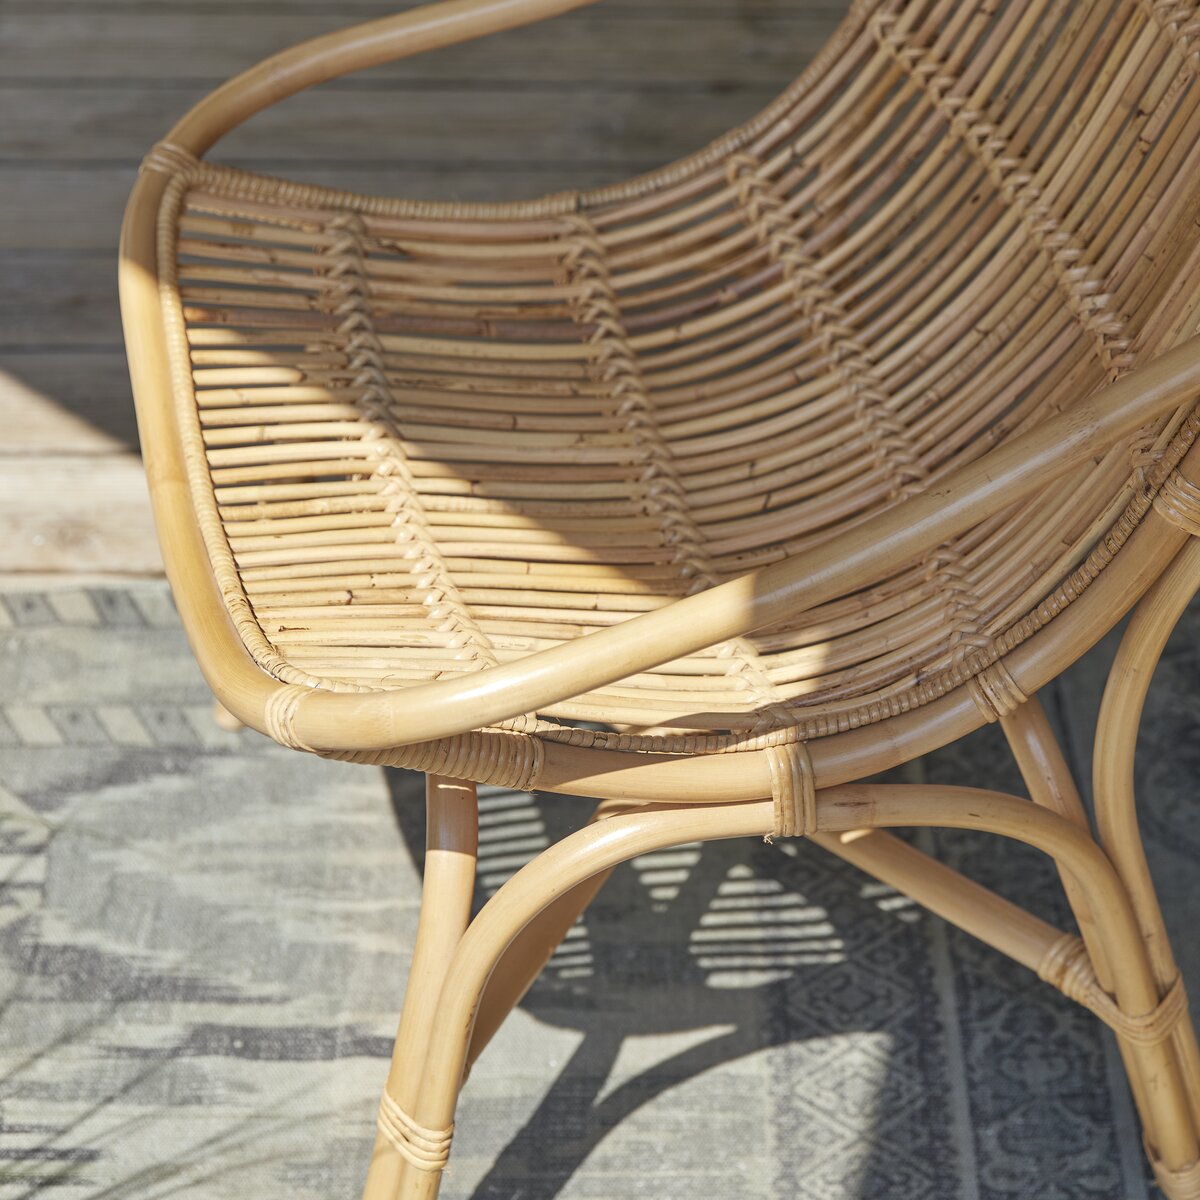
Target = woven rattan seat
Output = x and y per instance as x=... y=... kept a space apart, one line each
x=443 y=437
x=748 y=478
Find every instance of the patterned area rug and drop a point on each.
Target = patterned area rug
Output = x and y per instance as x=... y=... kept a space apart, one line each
x=203 y=943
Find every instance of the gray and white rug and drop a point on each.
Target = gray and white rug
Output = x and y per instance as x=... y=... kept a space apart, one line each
x=204 y=937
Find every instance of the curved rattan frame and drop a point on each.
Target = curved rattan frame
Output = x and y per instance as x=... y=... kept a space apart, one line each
x=466 y=974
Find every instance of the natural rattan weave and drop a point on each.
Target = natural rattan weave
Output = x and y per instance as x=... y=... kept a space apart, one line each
x=904 y=364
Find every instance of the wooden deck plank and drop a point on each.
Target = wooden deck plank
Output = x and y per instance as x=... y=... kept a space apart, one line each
x=67 y=513
x=363 y=10
x=589 y=99
x=34 y=424
x=484 y=126
x=66 y=402
x=643 y=46
x=51 y=300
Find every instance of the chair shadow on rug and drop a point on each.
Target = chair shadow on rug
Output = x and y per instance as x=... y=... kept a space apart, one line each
x=904 y=1055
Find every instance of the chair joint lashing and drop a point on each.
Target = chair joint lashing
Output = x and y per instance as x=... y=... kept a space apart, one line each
x=170 y=159
x=793 y=791
x=996 y=692
x=1068 y=967
x=1178 y=500
x=280 y=715
x=426 y=1149
x=1181 y=1184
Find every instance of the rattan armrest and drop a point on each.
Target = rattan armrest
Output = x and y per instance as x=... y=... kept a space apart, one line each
x=325 y=721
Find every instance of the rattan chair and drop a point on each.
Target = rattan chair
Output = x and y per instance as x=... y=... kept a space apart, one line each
x=711 y=493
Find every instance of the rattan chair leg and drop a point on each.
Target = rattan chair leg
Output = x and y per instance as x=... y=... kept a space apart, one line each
x=452 y=839
x=1144 y=1021
x=531 y=950
x=1051 y=784
x=940 y=889
x=1113 y=768
x=1006 y=927
x=1144 y=1024
x=537 y=887
x=523 y=961
x=534 y=905
x=1001 y=924
x=1135 y=1012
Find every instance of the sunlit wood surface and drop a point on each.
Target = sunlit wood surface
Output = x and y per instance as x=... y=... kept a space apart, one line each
x=591 y=98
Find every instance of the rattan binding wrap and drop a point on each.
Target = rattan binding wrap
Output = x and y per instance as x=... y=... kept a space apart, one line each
x=1068 y=967
x=429 y=439
x=426 y=1149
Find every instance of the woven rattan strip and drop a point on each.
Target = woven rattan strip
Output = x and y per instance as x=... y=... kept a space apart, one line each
x=429 y=439
x=658 y=482
x=1181 y=20
x=497 y=757
x=889 y=440
x=348 y=299
x=1017 y=183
